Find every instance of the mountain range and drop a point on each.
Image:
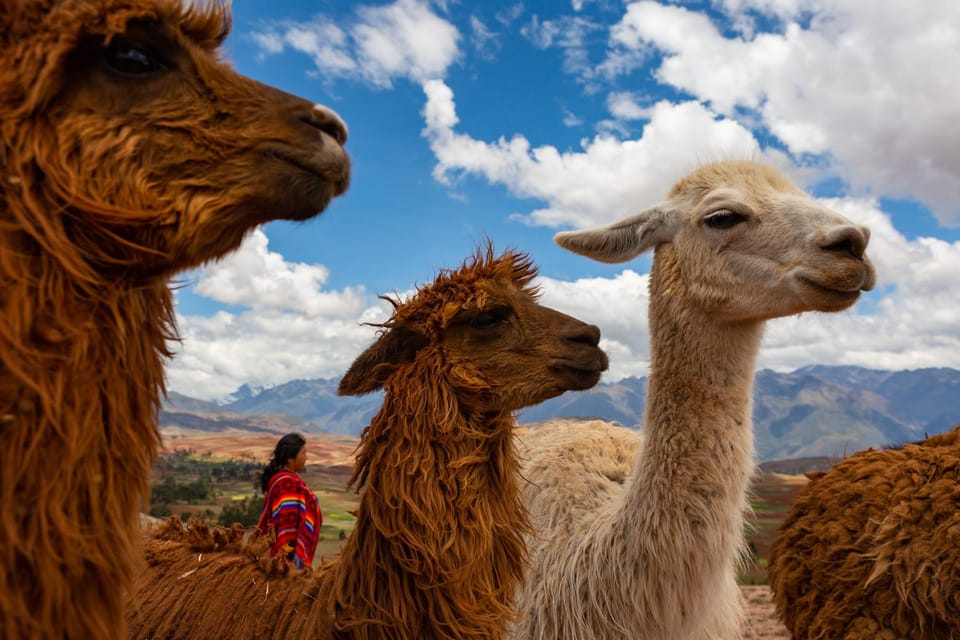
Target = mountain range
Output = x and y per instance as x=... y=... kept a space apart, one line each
x=811 y=412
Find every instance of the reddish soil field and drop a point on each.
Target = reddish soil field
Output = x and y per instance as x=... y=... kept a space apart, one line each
x=324 y=449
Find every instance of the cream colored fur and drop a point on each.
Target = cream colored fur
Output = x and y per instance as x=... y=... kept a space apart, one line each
x=643 y=542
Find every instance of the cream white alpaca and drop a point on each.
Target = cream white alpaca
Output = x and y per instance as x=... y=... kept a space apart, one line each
x=650 y=553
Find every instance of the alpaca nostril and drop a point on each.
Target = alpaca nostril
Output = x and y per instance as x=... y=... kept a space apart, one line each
x=328 y=121
x=841 y=246
x=586 y=334
x=846 y=239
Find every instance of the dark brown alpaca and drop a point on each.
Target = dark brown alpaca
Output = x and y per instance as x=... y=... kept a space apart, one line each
x=438 y=548
x=871 y=548
x=128 y=151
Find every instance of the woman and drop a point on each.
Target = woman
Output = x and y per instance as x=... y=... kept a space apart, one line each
x=289 y=506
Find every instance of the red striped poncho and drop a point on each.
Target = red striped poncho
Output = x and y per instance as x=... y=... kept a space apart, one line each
x=292 y=508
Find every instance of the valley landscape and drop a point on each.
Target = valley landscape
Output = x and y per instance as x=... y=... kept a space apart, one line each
x=328 y=472
x=816 y=411
x=803 y=422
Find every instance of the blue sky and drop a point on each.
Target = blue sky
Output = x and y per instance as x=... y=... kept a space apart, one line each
x=513 y=120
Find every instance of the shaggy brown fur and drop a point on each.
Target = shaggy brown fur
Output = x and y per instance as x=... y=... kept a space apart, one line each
x=871 y=548
x=128 y=151
x=438 y=548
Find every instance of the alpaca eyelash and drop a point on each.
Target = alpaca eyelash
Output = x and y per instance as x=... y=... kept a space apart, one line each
x=724 y=219
x=489 y=319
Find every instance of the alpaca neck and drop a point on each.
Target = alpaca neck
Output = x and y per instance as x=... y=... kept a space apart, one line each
x=437 y=551
x=682 y=517
x=80 y=379
x=698 y=438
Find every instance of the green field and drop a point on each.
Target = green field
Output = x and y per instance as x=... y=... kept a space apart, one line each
x=771 y=497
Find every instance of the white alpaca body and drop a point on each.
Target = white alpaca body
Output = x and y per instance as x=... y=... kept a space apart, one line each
x=643 y=542
x=600 y=502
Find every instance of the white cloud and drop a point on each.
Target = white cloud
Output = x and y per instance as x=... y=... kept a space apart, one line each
x=440 y=112
x=623 y=106
x=605 y=179
x=264 y=347
x=253 y=276
x=405 y=39
x=865 y=87
x=269 y=42
x=570 y=119
x=287 y=326
x=511 y=14
x=568 y=33
x=618 y=306
x=909 y=321
x=485 y=41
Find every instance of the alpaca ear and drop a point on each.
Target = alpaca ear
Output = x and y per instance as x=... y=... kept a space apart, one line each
x=624 y=240
x=372 y=368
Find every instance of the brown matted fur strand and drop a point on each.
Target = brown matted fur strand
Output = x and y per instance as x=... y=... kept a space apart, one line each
x=128 y=152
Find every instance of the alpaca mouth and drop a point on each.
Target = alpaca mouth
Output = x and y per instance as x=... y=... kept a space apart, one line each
x=331 y=164
x=831 y=297
x=575 y=379
x=582 y=373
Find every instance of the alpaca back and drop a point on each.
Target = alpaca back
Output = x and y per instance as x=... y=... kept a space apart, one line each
x=571 y=470
x=208 y=582
x=871 y=548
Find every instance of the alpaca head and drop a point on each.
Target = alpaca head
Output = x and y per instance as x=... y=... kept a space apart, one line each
x=127 y=144
x=741 y=242
x=482 y=327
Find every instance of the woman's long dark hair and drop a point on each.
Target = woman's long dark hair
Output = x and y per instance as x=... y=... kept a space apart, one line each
x=287 y=448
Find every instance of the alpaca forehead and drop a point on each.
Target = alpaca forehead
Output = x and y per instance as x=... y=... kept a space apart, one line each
x=483 y=281
x=476 y=296
x=745 y=175
x=204 y=23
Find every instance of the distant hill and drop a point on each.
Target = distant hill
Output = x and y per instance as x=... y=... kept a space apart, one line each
x=183 y=412
x=816 y=411
x=179 y=402
x=797 y=466
x=315 y=401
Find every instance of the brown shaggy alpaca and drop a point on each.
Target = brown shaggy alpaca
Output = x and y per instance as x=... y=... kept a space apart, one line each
x=438 y=548
x=871 y=548
x=128 y=151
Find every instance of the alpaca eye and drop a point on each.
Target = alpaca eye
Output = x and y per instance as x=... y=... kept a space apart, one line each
x=724 y=219
x=127 y=59
x=489 y=319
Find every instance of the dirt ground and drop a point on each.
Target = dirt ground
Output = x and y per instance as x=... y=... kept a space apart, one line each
x=762 y=622
x=322 y=448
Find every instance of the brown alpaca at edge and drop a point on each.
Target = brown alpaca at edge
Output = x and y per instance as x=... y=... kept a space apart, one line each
x=438 y=549
x=128 y=152
x=869 y=550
